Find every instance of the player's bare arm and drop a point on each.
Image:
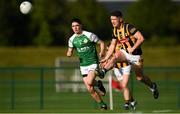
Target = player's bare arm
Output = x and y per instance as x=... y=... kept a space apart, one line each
x=102 y=48
x=110 y=50
x=140 y=40
x=69 y=52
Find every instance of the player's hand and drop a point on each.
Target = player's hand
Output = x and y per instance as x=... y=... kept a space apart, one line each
x=102 y=64
x=104 y=60
x=130 y=50
x=101 y=55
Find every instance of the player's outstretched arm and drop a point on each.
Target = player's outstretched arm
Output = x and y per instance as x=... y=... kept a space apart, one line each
x=110 y=50
x=69 y=52
x=102 y=48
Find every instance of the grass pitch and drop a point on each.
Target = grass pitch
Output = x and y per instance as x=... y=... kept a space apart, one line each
x=27 y=98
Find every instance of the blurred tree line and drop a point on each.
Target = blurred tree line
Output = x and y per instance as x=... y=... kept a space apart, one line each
x=158 y=19
x=48 y=24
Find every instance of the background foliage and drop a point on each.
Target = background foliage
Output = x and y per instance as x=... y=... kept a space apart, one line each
x=49 y=22
x=157 y=19
x=48 y=25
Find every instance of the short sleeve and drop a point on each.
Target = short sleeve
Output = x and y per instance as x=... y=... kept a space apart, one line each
x=94 y=38
x=132 y=30
x=70 y=43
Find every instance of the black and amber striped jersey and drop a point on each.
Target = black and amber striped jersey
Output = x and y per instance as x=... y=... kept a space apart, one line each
x=125 y=37
x=120 y=64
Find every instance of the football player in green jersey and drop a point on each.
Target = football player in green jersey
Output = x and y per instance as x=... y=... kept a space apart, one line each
x=84 y=43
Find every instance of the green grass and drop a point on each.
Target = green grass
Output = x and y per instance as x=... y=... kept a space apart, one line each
x=25 y=94
x=26 y=91
x=161 y=56
x=30 y=56
x=27 y=100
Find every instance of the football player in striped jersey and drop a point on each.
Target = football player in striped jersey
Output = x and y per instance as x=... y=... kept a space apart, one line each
x=130 y=40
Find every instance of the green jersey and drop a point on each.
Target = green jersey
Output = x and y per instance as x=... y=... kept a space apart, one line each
x=85 y=46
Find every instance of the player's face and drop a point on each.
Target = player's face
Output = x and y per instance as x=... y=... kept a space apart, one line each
x=76 y=27
x=115 y=21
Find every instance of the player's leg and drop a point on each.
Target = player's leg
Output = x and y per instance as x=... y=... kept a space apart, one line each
x=118 y=57
x=98 y=86
x=122 y=75
x=130 y=102
x=88 y=81
x=129 y=57
x=126 y=91
x=128 y=97
x=137 y=62
x=104 y=67
x=140 y=76
x=88 y=74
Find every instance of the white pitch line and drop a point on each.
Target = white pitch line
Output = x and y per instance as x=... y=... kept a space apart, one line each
x=156 y=111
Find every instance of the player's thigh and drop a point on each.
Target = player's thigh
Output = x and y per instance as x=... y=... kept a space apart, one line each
x=120 y=57
x=90 y=72
x=126 y=73
x=86 y=83
x=125 y=80
x=122 y=74
x=91 y=77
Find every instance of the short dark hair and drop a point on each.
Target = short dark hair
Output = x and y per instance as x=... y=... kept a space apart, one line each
x=116 y=13
x=76 y=20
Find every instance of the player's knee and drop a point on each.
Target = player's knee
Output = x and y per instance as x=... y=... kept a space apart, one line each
x=119 y=57
x=139 y=75
x=89 y=83
x=123 y=85
x=90 y=89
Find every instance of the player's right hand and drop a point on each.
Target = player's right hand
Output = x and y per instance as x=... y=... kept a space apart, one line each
x=102 y=64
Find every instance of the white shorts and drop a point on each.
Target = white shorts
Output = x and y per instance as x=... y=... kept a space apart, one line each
x=85 y=69
x=120 y=72
x=133 y=59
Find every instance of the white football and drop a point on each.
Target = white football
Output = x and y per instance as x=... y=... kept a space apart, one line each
x=25 y=7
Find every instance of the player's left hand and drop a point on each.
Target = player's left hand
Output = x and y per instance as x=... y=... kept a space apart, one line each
x=102 y=64
x=103 y=60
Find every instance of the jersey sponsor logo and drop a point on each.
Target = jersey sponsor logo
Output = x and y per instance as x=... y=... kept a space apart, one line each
x=83 y=49
x=85 y=41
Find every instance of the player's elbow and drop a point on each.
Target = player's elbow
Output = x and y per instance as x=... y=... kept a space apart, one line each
x=142 y=39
